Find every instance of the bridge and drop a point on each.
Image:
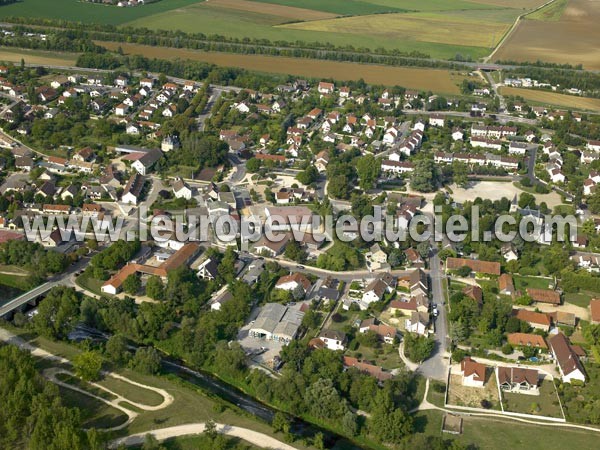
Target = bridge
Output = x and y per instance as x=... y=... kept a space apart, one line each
x=31 y=298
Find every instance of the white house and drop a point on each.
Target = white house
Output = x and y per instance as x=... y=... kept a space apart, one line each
x=418 y=323
x=473 y=373
x=333 y=340
x=181 y=189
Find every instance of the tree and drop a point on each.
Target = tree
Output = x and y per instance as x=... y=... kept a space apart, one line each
x=58 y=313
x=88 y=365
x=155 y=288
x=117 y=350
x=146 y=360
x=253 y=165
x=418 y=348
x=425 y=176
x=368 y=168
x=308 y=175
x=281 y=422
x=132 y=284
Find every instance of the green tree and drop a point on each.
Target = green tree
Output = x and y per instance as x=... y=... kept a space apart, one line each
x=418 y=348
x=155 y=288
x=132 y=284
x=425 y=176
x=308 y=175
x=368 y=169
x=146 y=360
x=117 y=349
x=88 y=365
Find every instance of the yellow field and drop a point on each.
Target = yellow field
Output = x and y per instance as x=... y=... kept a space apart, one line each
x=425 y=27
x=552 y=98
x=37 y=57
x=440 y=81
x=520 y=4
x=287 y=12
x=573 y=38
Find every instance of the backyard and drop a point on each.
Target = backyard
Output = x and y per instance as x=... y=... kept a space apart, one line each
x=545 y=404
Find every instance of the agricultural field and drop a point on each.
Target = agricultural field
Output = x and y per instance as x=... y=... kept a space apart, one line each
x=425 y=27
x=87 y=12
x=557 y=34
x=9 y=54
x=553 y=98
x=441 y=81
x=439 y=28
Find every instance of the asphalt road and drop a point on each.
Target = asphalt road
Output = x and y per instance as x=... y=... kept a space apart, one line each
x=436 y=367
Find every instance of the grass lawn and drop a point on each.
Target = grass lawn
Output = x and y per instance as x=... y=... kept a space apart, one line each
x=94 y=413
x=131 y=392
x=19 y=282
x=546 y=404
x=387 y=357
x=435 y=395
x=76 y=382
x=86 y=281
x=580 y=298
x=501 y=434
x=521 y=283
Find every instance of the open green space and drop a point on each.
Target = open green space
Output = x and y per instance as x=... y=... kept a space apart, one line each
x=199 y=442
x=79 y=383
x=580 y=298
x=545 y=404
x=87 y=281
x=94 y=413
x=522 y=283
x=136 y=394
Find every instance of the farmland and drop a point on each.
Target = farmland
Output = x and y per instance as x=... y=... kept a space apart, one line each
x=440 y=28
x=37 y=57
x=571 y=37
x=426 y=27
x=442 y=81
x=78 y=11
x=553 y=98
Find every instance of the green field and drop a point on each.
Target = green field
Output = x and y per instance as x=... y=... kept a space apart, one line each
x=551 y=13
x=79 y=11
x=131 y=392
x=341 y=7
x=440 y=28
x=545 y=404
x=94 y=413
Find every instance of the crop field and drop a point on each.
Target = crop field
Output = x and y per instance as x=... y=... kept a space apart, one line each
x=286 y=12
x=9 y=54
x=571 y=37
x=436 y=80
x=553 y=98
x=426 y=27
x=79 y=11
x=439 y=28
x=552 y=12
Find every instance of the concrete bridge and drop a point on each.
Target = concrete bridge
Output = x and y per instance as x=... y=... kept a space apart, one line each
x=31 y=298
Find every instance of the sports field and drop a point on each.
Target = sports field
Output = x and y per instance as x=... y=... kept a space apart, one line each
x=558 y=33
x=553 y=98
x=440 y=81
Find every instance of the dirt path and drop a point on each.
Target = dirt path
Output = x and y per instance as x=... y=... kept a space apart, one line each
x=259 y=439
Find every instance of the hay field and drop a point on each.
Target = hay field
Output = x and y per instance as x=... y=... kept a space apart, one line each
x=520 y=4
x=574 y=38
x=9 y=54
x=553 y=98
x=552 y=12
x=441 y=81
x=425 y=27
x=215 y=20
x=285 y=12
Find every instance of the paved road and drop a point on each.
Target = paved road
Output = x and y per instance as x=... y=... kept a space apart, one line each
x=58 y=280
x=342 y=276
x=500 y=117
x=436 y=366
